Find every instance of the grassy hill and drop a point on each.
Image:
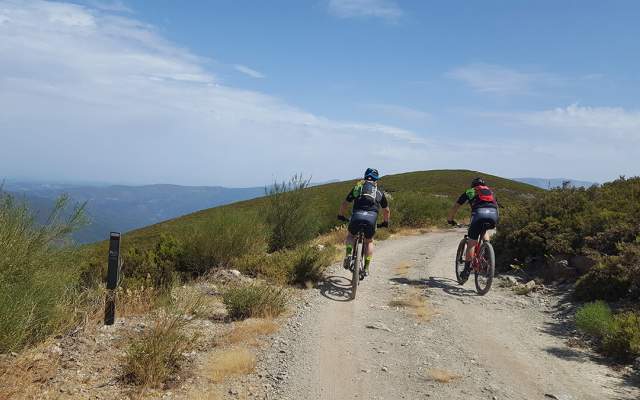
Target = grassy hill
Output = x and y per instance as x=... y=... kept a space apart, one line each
x=438 y=188
x=46 y=288
x=125 y=208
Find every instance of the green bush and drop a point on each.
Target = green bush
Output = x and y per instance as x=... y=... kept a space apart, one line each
x=601 y=222
x=298 y=266
x=623 y=340
x=38 y=278
x=595 y=319
x=605 y=282
x=290 y=214
x=255 y=300
x=220 y=241
x=309 y=265
x=154 y=267
x=416 y=210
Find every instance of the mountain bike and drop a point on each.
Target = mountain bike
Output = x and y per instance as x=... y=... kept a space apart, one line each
x=356 y=263
x=483 y=263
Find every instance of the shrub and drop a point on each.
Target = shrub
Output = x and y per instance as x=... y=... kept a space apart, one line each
x=605 y=282
x=595 y=319
x=297 y=266
x=309 y=265
x=37 y=275
x=415 y=210
x=623 y=340
x=154 y=267
x=218 y=242
x=290 y=214
x=152 y=358
x=255 y=300
x=601 y=222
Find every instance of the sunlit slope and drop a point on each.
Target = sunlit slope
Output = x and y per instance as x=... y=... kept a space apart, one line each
x=326 y=199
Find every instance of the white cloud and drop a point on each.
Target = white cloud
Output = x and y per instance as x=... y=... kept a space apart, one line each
x=488 y=78
x=248 y=71
x=607 y=123
x=400 y=112
x=384 y=9
x=88 y=95
x=113 y=5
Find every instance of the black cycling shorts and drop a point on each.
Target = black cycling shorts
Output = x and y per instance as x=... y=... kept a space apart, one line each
x=364 y=221
x=480 y=217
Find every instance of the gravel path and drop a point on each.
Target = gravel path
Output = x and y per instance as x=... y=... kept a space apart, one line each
x=456 y=346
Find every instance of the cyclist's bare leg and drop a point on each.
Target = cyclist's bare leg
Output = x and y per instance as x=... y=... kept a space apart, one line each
x=471 y=249
x=350 y=239
x=368 y=250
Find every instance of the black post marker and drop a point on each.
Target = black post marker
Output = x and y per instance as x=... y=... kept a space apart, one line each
x=112 y=278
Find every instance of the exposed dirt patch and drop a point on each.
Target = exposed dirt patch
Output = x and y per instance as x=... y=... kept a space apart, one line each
x=441 y=375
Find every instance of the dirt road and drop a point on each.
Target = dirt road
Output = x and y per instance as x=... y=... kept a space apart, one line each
x=414 y=333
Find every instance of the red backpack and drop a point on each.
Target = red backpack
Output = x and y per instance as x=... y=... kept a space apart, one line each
x=484 y=194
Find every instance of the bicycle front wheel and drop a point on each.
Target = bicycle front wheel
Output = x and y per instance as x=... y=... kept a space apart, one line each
x=355 y=278
x=459 y=263
x=484 y=276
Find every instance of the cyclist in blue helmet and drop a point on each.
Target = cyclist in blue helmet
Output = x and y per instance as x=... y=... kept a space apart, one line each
x=367 y=199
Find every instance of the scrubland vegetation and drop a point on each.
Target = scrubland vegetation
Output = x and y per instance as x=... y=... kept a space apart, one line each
x=48 y=286
x=592 y=235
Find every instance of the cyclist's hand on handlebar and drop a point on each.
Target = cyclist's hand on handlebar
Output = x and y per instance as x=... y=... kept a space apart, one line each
x=452 y=222
x=342 y=218
x=384 y=224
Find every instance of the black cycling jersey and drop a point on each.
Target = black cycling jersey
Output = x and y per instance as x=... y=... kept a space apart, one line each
x=364 y=203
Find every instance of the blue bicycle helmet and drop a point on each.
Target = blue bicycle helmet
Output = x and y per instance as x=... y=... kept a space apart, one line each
x=371 y=173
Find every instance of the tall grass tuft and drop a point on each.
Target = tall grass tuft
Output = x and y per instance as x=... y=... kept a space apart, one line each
x=595 y=319
x=302 y=265
x=37 y=278
x=290 y=214
x=151 y=359
x=254 y=301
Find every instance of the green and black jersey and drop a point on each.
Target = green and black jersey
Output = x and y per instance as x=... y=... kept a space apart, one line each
x=367 y=196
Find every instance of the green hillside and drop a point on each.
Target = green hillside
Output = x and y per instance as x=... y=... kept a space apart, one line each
x=438 y=187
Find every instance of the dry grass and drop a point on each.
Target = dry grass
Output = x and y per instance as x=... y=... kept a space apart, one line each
x=152 y=358
x=249 y=331
x=442 y=376
x=403 y=268
x=416 y=304
x=135 y=301
x=25 y=376
x=231 y=362
x=333 y=238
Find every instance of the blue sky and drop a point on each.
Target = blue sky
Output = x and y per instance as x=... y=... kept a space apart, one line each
x=242 y=92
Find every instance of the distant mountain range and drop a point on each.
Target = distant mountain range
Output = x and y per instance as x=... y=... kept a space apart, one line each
x=124 y=208
x=550 y=183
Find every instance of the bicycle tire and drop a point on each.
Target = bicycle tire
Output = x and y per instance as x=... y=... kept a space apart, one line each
x=487 y=252
x=459 y=262
x=355 y=277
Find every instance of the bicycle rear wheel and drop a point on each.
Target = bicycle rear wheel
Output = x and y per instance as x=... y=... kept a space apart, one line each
x=355 y=278
x=484 y=277
x=459 y=263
